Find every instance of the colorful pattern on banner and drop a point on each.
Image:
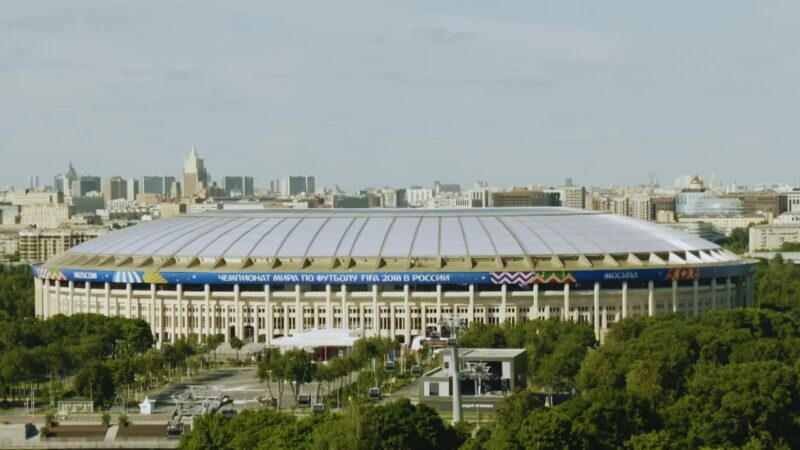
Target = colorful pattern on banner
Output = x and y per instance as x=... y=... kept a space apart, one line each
x=362 y=278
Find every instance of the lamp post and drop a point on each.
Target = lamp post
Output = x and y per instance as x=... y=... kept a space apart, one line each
x=453 y=324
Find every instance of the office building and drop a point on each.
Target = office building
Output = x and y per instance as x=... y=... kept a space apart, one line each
x=33 y=182
x=115 y=188
x=524 y=198
x=160 y=185
x=45 y=216
x=772 y=237
x=238 y=186
x=573 y=197
x=133 y=189
x=195 y=176
x=296 y=185
x=85 y=184
x=37 y=246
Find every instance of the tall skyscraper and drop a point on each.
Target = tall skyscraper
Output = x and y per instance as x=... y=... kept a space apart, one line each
x=238 y=186
x=195 y=177
x=115 y=188
x=33 y=182
x=63 y=182
x=133 y=189
x=160 y=185
x=84 y=184
x=295 y=185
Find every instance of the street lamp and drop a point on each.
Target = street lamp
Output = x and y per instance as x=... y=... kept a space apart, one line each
x=453 y=324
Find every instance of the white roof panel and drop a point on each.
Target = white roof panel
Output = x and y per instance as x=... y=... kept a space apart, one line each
x=397 y=233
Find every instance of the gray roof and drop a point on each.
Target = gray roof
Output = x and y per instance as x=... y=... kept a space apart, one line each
x=396 y=233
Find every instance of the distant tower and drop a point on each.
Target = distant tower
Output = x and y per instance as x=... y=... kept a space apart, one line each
x=568 y=182
x=195 y=177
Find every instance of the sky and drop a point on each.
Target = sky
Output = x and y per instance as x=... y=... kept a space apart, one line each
x=375 y=93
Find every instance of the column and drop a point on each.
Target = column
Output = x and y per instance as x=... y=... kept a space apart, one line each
x=57 y=308
x=161 y=317
x=345 y=313
x=407 y=314
x=237 y=306
x=391 y=320
x=215 y=310
x=286 y=319
x=298 y=310
x=728 y=293
x=256 y=325
x=226 y=319
x=547 y=311
x=535 y=314
x=173 y=322
x=88 y=289
x=471 y=310
x=207 y=316
x=152 y=312
x=38 y=292
x=439 y=308
x=46 y=299
x=565 y=309
x=179 y=305
x=315 y=314
x=129 y=300
x=596 y=308
x=72 y=297
x=651 y=301
x=328 y=307
x=604 y=318
x=376 y=324
x=695 y=297
x=713 y=293
x=675 y=296
x=503 y=304
x=107 y=293
x=268 y=310
x=624 y=299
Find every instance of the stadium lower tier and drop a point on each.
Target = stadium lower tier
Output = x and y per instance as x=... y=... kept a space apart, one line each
x=261 y=313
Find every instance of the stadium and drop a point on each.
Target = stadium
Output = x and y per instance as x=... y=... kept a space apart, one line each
x=399 y=273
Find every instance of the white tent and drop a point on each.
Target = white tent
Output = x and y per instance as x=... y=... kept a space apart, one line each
x=146 y=407
x=314 y=338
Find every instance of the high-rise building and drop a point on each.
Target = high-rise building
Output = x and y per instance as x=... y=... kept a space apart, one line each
x=238 y=186
x=84 y=184
x=160 y=185
x=524 y=198
x=296 y=185
x=133 y=189
x=63 y=182
x=115 y=188
x=417 y=196
x=641 y=207
x=195 y=177
x=573 y=196
x=33 y=182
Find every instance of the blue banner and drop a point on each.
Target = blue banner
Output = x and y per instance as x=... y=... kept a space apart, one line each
x=521 y=278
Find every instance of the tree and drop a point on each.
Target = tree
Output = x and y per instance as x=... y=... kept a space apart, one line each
x=212 y=343
x=298 y=368
x=271 y=369
x=738 y=241
x=236 y=344
x=95 y=381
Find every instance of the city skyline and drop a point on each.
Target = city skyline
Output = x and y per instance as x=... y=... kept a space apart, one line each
x=455 y=92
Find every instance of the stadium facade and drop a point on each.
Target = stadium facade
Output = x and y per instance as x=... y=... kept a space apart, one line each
x=399 y=273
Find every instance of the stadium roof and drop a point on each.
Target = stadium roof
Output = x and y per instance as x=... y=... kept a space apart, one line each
x=425 y=239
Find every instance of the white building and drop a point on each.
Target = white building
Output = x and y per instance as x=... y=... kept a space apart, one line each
x=392 y=273
x=418 y=197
